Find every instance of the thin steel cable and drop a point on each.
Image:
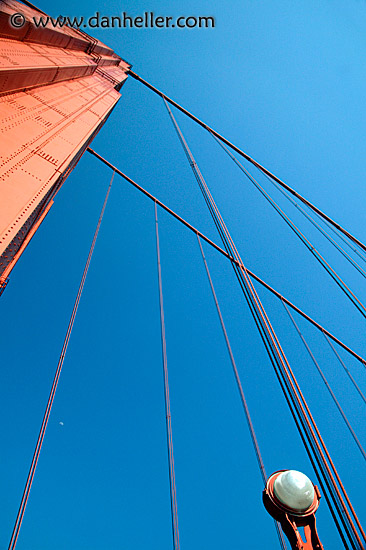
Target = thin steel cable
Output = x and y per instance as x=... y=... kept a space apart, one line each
x=283 y=369
x=241 y=391
x=235 y=370
x=345 y=368
x=289 y=398
x=248 y=158
x=29 y=481
x=168 y=418
x=335 y=400
x=359 y=253
x=334 y=275
x=321 y=230
x=307 y=317
x=227 y=255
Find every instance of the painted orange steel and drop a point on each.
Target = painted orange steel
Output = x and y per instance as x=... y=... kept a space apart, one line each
x=65 y=37
x=57 y=88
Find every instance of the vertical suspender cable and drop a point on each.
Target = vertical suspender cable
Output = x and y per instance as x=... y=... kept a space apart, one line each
x=32 y=469
x=173 y=493
x=236 y=373
x=346 y=421
x=241 y=392
x=325 y=469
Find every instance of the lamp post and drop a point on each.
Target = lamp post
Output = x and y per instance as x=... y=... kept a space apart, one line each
x=292 y=499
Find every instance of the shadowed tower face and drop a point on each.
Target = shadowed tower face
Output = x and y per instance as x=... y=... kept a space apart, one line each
x=57 y=88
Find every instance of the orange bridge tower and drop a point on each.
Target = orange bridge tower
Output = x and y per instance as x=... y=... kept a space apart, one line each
x=58 y=86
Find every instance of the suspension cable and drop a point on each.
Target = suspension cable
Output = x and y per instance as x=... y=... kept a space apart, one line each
x=307 y=317
x=28 y=485
x=307 y=216
x=241 y=391
x=228 y=256
x=168 y=418
x=346 y=421
x=344 y=366
x=360 y=253
x=338 y=280
x=325 y=467
x=236 y=373
x=320 y=229
x=250 y=159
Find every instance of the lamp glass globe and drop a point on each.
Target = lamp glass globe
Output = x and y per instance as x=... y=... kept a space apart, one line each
x=294 y=489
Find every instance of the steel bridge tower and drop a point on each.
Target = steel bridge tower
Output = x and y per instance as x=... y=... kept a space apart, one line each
x=57 y=88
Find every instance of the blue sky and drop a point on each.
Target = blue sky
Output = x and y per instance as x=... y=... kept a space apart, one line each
x=286 y=82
